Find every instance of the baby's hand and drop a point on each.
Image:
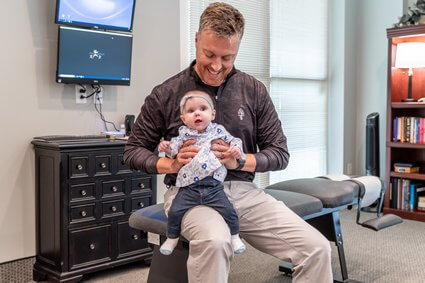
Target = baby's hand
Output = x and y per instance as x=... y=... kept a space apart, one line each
x=164 y=146
x=235 y=152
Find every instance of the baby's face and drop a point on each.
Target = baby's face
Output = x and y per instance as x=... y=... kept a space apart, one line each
x=197 y=114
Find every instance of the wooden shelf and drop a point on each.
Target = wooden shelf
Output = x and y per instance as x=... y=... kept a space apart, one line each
x=406 y=145
x=412 y=176
x=407 y=34
x=407 y=105
x=417 y=215
x=397 y=90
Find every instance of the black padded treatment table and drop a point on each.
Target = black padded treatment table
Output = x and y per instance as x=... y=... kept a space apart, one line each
x=316 y=200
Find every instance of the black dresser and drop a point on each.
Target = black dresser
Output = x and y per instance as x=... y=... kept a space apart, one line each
x=84 y=197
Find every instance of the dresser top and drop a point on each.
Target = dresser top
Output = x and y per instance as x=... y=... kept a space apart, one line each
x=77 y=141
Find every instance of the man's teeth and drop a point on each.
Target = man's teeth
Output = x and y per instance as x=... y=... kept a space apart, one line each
x=214 y=73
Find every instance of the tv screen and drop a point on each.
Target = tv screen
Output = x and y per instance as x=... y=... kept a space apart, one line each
x=106 y=14
x=88 y=56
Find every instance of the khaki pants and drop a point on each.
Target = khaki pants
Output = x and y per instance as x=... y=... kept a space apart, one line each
x=265 y=223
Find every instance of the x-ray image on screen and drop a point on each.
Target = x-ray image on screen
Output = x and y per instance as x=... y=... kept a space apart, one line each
x=109 y=14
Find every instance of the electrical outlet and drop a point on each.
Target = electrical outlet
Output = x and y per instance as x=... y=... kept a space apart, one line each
x=80 y=91
x=349 y=168
x=98 y=98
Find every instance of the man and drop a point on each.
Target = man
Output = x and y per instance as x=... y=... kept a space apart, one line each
x=245 y=109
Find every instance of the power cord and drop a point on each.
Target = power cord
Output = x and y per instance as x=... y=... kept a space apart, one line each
x=83 y=89
x=97 y=89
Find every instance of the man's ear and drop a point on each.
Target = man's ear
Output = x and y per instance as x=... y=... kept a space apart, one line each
x=196 y=38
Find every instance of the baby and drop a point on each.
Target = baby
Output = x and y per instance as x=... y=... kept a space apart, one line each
x=200 y=181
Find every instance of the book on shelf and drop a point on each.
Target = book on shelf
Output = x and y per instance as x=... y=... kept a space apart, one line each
x=405 y=194
x=412 y=196
x=393 y=192
x=409 y=130
x=406 y=169
x=421 y=203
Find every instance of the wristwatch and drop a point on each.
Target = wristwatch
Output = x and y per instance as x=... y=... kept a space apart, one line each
x=242 y=162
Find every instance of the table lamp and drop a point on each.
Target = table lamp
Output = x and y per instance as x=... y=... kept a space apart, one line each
x=410 y=55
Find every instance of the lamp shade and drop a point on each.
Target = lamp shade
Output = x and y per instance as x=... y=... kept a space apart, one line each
x=410 y=55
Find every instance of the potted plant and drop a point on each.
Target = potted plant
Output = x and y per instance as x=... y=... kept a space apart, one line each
x=414 y=16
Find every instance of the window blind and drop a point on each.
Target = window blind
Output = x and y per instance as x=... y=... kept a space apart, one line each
x=298 y=39
x=298 y=86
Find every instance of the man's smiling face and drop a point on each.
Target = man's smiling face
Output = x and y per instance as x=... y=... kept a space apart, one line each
x=215 y=56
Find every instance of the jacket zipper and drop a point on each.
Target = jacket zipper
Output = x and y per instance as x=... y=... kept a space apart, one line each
x=218 y=113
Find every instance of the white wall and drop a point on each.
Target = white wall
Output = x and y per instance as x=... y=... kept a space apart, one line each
x=358 y=78
x=33 y=104
x=370 y=45
x=409 y=3
x=336 y=67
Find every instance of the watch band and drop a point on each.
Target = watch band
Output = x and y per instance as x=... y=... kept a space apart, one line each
x=242 y=162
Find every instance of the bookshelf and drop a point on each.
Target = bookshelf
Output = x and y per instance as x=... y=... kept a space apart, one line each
x=408 y=147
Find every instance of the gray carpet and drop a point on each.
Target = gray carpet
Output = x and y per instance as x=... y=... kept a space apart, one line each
x=396 y=254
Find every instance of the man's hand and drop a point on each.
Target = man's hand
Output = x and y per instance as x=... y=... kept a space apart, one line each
x=223 y=152
x=186 y=153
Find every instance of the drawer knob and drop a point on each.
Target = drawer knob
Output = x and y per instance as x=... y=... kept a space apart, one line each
x=92 y=247
x=135 y=237
x=83 y=213
x=113 y=208
x=114 y=189
x=103 y=165
x=141 y=204
x=142 y=186
x=83 y=192
x=80 y=167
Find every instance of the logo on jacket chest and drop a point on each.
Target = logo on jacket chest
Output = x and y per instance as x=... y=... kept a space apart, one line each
x=241 y=113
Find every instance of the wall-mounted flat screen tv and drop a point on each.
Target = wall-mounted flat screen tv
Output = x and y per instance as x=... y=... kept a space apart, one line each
x=103 y=14
x=87 y=56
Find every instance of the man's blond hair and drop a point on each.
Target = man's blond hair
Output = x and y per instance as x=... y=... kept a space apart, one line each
x=223 y=19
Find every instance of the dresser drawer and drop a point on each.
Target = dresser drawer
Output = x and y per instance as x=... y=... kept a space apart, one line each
x=140 y=202
x=113 y=208
x=82 y=192
x=103 y=165
x=122 y=167
x=89 y=246
x=130 y=241
x=113 y=188
x=141 y=185
x=78 y=166
x=82 y=213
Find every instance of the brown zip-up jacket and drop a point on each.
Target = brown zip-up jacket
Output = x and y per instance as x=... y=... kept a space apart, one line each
x=243 y=106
